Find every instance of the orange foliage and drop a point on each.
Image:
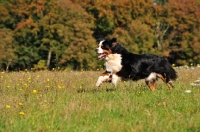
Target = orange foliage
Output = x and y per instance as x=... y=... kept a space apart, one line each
x=28 y=22
x=69 y=27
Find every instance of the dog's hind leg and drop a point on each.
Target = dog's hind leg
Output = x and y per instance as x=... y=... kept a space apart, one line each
x=104 y=77
x=170 y=86
x=151 y=81
x=151 y=85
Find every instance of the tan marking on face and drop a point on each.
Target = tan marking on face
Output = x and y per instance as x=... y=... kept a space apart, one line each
x=107 y=51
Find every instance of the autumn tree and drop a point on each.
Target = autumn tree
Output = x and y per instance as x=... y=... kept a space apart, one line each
x=38 y=27
x=21 y=18
x=7 y=49
x=62 y=33
x=102 y=12
x=183 y=19
x=52 y=32
x=80 y=44
x=157 y=22
x=138 y=38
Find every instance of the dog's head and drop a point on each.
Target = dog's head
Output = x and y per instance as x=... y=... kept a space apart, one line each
x=105 y=47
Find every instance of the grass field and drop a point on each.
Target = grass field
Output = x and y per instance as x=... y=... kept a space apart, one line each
x=61 y=101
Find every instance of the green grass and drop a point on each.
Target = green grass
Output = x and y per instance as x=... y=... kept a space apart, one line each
x=68 y=101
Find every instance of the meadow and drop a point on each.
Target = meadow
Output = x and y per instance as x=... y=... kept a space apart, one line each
x=67 y=101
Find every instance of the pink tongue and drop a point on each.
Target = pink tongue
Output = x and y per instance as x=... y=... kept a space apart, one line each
x=100 y=56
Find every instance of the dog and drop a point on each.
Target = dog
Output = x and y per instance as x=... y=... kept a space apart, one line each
x=122 y=64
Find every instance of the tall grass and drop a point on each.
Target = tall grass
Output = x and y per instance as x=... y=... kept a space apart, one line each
x=68 y=101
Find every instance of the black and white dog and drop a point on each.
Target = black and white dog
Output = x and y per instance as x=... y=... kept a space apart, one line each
x=122 y=64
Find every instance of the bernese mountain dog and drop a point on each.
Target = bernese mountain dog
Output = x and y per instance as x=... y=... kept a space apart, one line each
x=122 y=64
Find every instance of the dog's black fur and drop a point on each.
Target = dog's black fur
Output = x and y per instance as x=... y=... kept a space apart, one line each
x=140 y=66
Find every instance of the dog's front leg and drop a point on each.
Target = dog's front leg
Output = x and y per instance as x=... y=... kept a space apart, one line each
x=104 y=77
x=115 y=79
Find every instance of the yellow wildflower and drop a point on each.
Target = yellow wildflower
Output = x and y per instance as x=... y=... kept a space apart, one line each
x=20 y=103
x=21 y=113
x=8 y=106
x=59 y=86
x=34 y=91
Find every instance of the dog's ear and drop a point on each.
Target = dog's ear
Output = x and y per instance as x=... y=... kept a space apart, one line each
x=114 y=41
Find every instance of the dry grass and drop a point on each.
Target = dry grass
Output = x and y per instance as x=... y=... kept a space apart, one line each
x=69 y=101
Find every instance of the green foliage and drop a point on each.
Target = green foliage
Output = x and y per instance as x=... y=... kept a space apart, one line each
x=80 y=44
x=40 y=66
x=63 y=32
x=137 y=37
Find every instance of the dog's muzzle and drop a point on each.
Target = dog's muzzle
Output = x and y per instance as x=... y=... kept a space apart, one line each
x=100 y=53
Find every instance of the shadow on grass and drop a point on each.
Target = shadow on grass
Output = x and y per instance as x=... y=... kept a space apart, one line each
x=94 y=90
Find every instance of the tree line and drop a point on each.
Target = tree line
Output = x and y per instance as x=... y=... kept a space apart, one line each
x=46 y=34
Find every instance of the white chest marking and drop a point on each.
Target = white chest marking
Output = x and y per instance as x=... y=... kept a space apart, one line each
x=113 y=63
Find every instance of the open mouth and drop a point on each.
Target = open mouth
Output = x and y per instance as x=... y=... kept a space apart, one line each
x=102 y=56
